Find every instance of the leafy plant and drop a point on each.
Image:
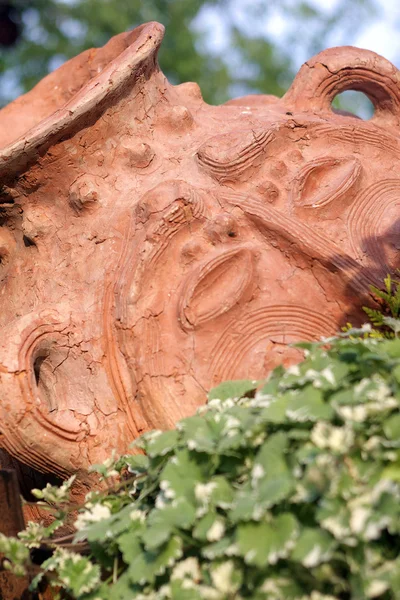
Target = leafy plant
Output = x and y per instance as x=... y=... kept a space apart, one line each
x=283 y=489
x=386 y=319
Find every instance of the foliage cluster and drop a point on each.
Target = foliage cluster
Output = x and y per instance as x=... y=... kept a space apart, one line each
x=283 y=489
x=385 y=319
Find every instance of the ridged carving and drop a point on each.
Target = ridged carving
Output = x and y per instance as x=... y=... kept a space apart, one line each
x=227 y=157
x=215 y=287
x=283 y=323
x=325 y=181
x=304 y=239
x=85 y=193
x=33 y=337
x=184 y=205
x=365 y=223
x=173 y=219
x=359 y=136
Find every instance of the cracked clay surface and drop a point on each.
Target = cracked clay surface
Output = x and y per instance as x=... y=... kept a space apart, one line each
x=152 y=246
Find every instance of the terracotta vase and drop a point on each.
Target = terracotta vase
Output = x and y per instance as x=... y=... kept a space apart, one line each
x=152 y=245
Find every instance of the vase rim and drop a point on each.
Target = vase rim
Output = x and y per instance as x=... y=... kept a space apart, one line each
x=143 y=44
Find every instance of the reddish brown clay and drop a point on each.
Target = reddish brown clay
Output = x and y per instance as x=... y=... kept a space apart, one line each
x=153 y=245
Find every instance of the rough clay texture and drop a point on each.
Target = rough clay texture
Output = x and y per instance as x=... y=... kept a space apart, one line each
x=152 y=245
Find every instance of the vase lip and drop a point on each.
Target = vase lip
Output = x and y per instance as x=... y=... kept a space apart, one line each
x=18 y=155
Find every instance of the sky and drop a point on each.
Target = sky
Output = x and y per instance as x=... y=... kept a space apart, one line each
x=381 y=35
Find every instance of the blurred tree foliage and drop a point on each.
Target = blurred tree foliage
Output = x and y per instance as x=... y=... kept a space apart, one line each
x=48 y=32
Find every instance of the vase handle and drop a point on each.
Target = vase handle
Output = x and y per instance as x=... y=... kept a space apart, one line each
x=336 y=70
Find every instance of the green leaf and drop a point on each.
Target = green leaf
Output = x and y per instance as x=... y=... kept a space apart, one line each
x=265 y=543
x=395 y=579
x=233 y=389
x=180 y=476
x=130 y=546
x=222 y=493
x=145 y=566
x=77 y=573
x=108 y=529
x=271 y=481
x=392 y=472
x=162 y=522
x=273 y=489
x=375 y=316
x=313 y=547
x=275 y=412
x=137 y=463
x=218 y=549
x=162 y=444
x=210 y=528
x=333 y=515
x=308 y=405
x=280 y=587
x=246 y=506
x=180 y=591
x=122 y=589
x=271 y=456
x=396 y=369
x=391 y=427
x=216 y=493
x=271 y=476
x=201 y=433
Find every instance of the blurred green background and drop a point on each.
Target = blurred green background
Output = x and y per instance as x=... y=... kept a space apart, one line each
x=229 y=47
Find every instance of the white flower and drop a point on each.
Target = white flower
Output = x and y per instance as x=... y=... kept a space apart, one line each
x=221 y=577
x=374 y=528
x=293 y=370
x=152 y=435
x=312 y=374
x=314 y=557
x=216 y=531
x=188 y=567
x=329 y=376
x=353 y=413
x=338 y=439
x=258 y=472
x=376 y=588
x=109 y=461
x=99 y=512
x=261 y=400
x=318 y=596
x=360 y=387
x=358 y=518
x=336 y=527
x=232 y=423
x=228 y=403
x=203 y=491
x=167 y=489
x=273 y=586
x=138 y=515
x=215 y=403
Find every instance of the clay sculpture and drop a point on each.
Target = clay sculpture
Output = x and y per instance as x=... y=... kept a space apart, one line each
x=152 y=245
